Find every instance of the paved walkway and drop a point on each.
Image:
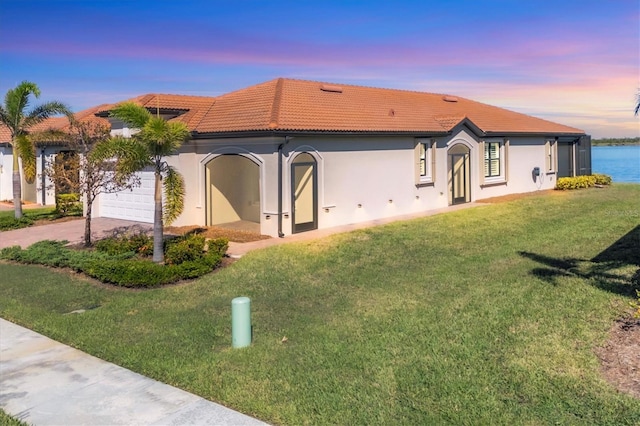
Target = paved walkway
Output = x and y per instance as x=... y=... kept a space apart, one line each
x=237 y=250
x=72 y=231
x=43 y=382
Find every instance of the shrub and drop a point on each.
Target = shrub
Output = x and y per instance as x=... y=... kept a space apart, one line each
x=68 y=204
x=122 y=267
x=139 y=243
x=579 y=182
x=8 y=223
x=602 y=179
x=218 y=245
x=182 y=249
x=130 y=272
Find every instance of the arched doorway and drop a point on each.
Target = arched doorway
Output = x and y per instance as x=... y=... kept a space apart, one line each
x=233 y=192
x=304 y=193
x=459 y=174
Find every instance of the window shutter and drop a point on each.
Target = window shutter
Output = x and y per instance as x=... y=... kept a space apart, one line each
x=433 y=159
x=482 y=154
x=416 y=157
x=506 y=160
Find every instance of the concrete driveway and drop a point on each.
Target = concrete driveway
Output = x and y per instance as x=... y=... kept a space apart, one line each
x=72 y=231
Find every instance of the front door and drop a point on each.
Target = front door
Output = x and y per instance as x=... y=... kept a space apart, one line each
x=565 y=159
x=459 y=176
x=304 y=193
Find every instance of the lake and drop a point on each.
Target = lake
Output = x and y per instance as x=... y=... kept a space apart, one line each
x=622 y=163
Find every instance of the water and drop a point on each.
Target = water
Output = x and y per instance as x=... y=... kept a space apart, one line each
x=622 y=163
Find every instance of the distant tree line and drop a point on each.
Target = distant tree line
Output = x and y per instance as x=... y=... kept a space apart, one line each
x=616 y=141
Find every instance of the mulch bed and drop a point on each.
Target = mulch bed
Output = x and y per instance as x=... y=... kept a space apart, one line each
x=236 y=236
x=620 y=356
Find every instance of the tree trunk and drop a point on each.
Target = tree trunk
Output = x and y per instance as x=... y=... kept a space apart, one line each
x=158 y=253
x=87 y=226
x=17 y=186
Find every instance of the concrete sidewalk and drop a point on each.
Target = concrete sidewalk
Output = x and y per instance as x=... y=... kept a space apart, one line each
x=43 y=382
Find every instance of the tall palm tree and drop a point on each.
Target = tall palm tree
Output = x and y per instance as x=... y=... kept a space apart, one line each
x=14 y=115
x=160 y=138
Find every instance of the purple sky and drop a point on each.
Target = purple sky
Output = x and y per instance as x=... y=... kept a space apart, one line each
x=573 y=62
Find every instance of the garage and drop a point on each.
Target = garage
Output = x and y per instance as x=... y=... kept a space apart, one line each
x=131 y=204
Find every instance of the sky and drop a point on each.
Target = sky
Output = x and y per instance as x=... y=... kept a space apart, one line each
x=569 y=61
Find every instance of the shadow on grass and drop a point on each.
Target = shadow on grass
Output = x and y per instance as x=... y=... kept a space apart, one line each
x=600 y=271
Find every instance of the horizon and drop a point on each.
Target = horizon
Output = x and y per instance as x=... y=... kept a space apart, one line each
x=574 y=63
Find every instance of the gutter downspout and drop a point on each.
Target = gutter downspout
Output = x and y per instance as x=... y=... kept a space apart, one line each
x=43 y=178
x=286 y=141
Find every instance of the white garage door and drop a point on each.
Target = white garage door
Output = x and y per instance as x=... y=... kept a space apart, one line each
x=135 y=204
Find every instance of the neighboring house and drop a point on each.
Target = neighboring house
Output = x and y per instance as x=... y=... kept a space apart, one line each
x=288 y=156
x=41 y=191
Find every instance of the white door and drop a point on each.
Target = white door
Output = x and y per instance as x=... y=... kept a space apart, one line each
x=135 y=204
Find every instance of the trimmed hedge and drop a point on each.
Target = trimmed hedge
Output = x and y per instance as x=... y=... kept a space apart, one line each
x=126 y=267
x=579 y=182
x=139 y=243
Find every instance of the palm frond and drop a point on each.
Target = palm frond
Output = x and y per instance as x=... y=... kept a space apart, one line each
x=43 y=111
x=173 y=188
x=16 y=101
x=132 y=114
x=26 y=151
x=4 y=117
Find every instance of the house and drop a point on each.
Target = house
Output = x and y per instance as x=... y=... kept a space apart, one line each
x=288 y=156
x=41 y=191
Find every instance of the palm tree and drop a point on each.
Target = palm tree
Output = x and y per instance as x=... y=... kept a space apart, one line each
x=13 y=114
x=637 y=103
x=159 y=138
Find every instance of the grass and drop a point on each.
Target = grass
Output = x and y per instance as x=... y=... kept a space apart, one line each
x=7 y=420
x=482 y=316
x=29 y=217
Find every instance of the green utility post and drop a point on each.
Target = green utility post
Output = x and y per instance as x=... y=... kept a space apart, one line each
x=241 y=322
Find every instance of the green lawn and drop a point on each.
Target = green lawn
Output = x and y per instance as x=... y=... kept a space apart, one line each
x=29 y=216
x=487 y=315
x=6 y=420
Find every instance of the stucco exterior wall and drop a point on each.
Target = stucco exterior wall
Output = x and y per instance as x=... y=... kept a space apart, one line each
x=359 y=178
x=30 y=192
x=525 y=153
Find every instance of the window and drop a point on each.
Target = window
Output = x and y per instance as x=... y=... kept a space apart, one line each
x=492 y=159
x=550 y=149
x=425 y=161
x=494 y=162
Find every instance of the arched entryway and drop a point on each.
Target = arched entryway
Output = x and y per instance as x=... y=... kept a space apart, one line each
x=304 y=193
x=232 y=184
x=459 y=174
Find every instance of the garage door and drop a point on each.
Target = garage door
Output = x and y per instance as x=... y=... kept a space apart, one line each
x=135 y=204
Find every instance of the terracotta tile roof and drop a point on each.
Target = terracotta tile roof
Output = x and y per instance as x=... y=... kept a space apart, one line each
x=289 y=105
x=298 y=105
x=59 y=123
x=191 y=109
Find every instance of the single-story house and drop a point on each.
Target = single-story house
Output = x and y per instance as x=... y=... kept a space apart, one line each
x=41 y=191
x=288 y=156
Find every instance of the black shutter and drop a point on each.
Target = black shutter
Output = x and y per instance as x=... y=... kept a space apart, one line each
x=583 y=156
